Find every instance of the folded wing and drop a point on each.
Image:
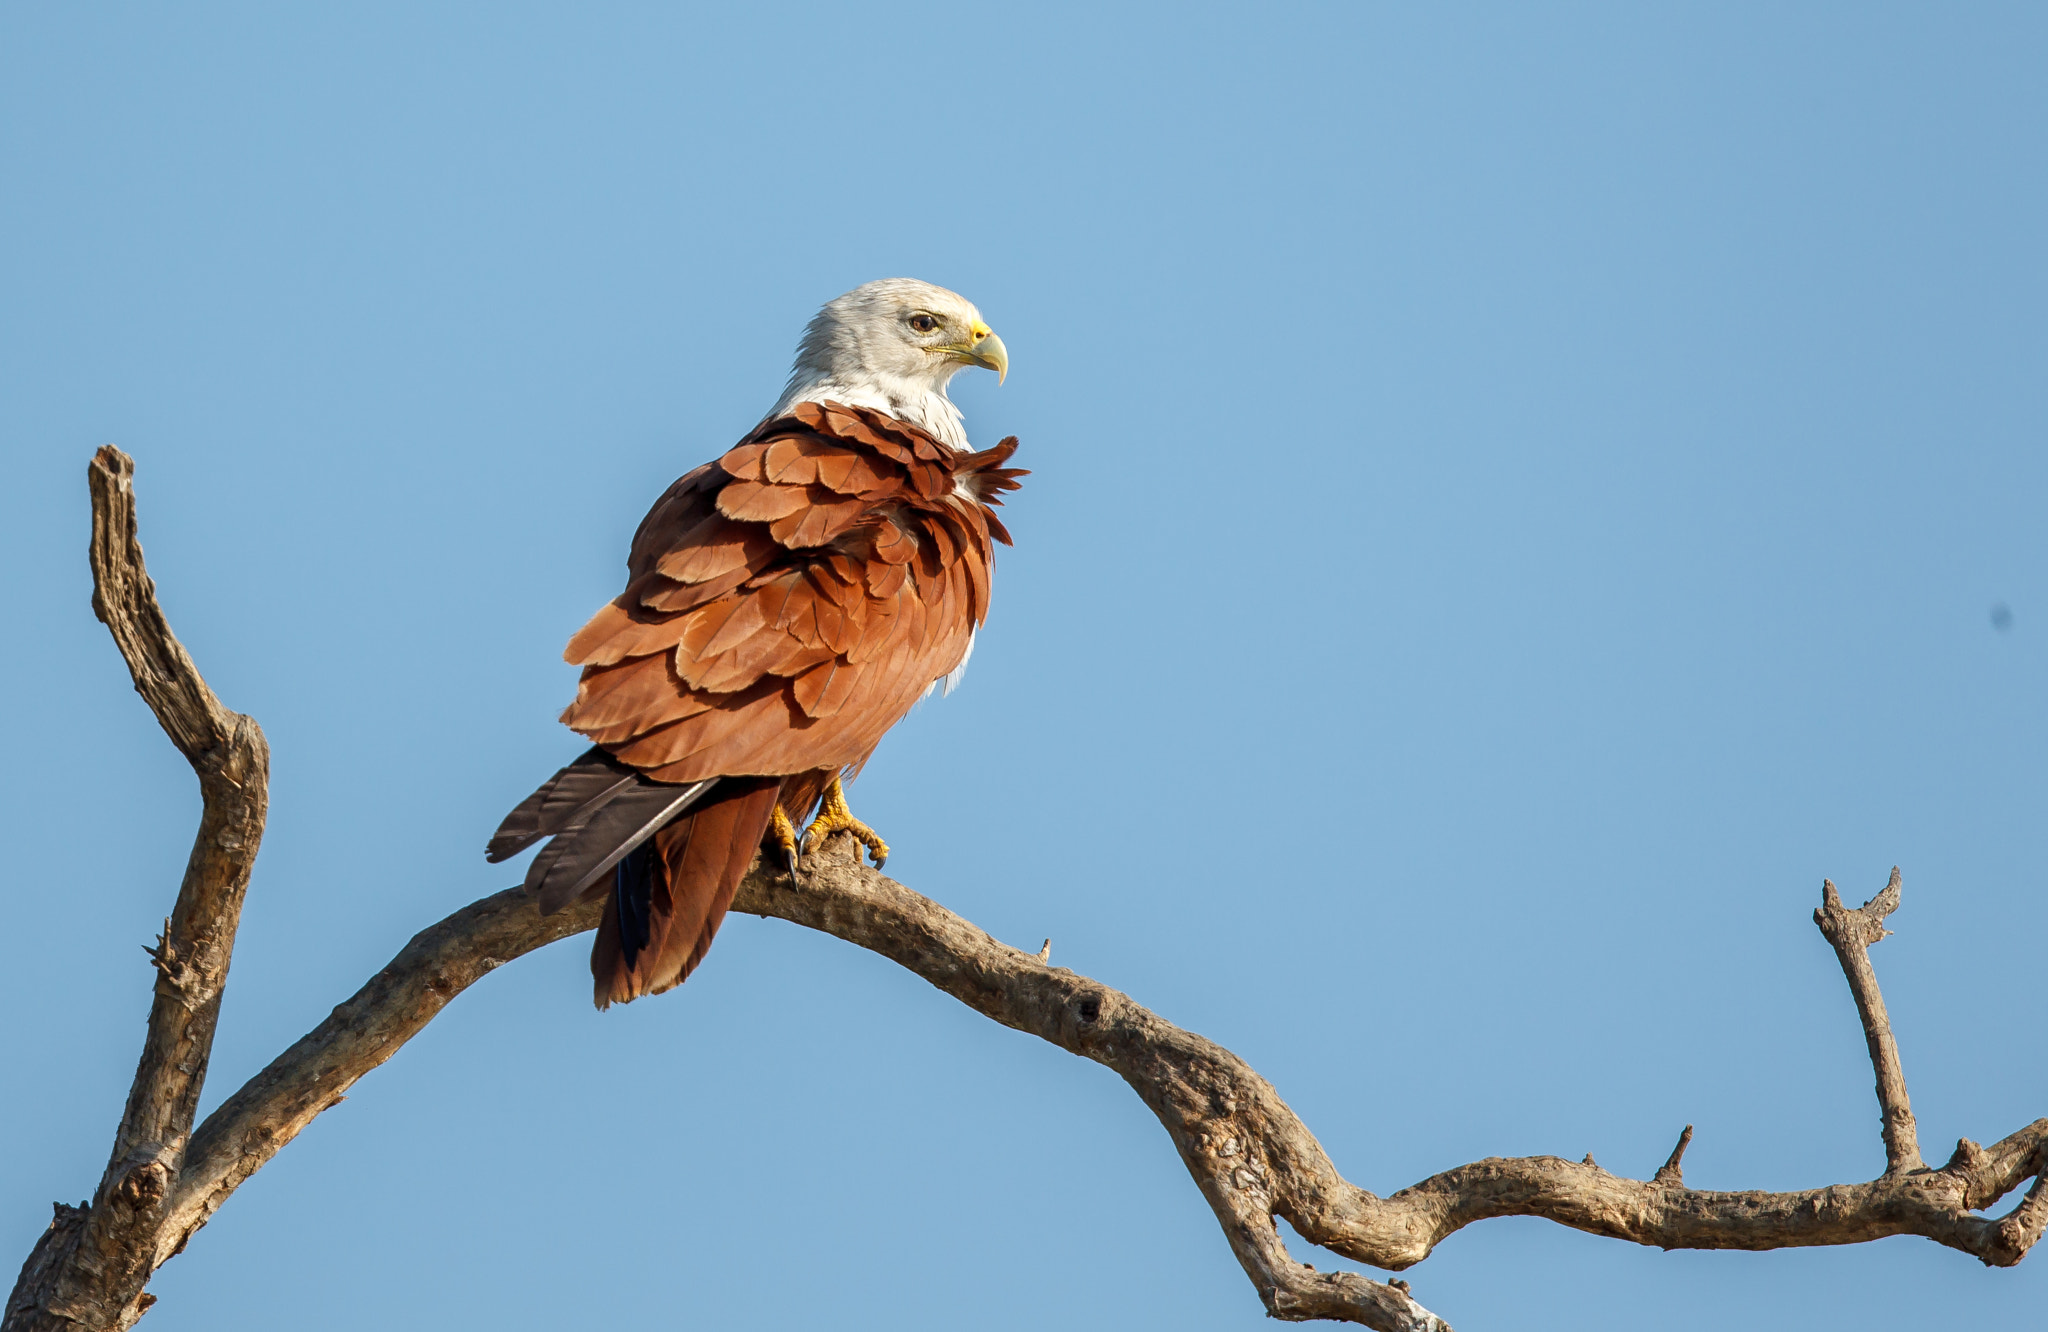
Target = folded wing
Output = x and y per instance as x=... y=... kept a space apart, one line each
x=784 y=607
x=787 y=604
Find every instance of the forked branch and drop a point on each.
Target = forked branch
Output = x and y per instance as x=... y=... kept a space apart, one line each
x=1251 y=1157
x=90 y=1267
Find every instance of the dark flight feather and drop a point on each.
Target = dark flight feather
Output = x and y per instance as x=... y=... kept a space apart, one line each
x=601 y=833
x=581 y=788
x=633 y=899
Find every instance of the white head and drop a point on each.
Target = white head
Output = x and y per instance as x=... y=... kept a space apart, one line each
x=894 y=345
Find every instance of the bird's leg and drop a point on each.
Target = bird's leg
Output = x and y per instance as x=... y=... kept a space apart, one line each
x=784 y=833
x=834 y=816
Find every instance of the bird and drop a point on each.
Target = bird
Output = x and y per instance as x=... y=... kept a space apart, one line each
x=785 y=605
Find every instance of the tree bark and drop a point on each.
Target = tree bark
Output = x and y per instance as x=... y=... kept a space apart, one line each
x=90 y=1268
x=1248 y=1153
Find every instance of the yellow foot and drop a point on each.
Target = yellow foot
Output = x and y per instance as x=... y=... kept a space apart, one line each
x=834 y=816
x=784 y=833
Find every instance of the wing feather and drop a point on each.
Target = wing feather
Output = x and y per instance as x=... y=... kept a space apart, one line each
x=761 y=501
x=664 y=595
x=726 y=547
x=616 y=633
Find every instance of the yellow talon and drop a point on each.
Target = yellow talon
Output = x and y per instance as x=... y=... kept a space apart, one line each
x=785 y=837
x=834 y=816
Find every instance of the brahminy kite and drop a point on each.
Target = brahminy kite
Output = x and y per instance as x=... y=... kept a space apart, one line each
x=784 y=607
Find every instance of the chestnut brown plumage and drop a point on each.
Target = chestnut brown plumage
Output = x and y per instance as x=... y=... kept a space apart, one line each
x=784 y=607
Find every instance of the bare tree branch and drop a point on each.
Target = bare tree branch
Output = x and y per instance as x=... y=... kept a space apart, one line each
x=1852 y=933
x=91 y=1270
x=1248 y=1153
x=1250 y=1156
x=271 y=1109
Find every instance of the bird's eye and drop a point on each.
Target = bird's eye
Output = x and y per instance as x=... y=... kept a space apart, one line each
x=923 y=323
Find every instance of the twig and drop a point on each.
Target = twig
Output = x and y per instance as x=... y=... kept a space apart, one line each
x=1852 y=933
x=1671 y=1172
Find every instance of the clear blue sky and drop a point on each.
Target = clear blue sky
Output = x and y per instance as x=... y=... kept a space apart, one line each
x=1518 y=498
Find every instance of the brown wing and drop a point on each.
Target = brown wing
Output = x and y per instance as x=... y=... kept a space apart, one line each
x=787 y=604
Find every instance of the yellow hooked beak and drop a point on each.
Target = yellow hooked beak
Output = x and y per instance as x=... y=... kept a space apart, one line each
x=985 y=350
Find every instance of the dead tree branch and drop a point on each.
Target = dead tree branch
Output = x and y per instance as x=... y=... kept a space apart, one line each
x=1852 y=933
x=271 y=1109
x=1248 y=1153
x=90 y=1269
x=1250 y=1156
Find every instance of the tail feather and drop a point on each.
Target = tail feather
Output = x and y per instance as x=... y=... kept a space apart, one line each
x=669 y=855
x=569 y=797
x=632 y=899
x=587 y=854
x=596 y=810
x=669 y=897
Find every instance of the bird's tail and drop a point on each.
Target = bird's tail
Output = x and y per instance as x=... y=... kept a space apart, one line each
x=670 y=893
x=669 y=858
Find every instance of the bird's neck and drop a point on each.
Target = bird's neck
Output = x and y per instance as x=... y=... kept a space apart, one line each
x=915 y=402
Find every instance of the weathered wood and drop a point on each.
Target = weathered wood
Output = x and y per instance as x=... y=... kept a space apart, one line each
x=271 y=1109
x=92 y=1273
x=1852 y=933
x=1250 y=1156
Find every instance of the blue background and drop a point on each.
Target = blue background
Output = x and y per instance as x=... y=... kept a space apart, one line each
x=1518 y=498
